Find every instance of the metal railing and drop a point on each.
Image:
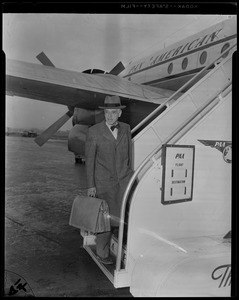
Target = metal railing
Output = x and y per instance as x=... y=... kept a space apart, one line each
x=149 y=158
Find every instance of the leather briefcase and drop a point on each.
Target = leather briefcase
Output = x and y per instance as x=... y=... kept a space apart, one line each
x=91 y=214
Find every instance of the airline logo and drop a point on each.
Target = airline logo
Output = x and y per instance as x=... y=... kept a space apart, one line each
x=223 y=146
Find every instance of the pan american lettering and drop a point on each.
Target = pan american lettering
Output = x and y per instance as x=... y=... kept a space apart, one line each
x=198 y=42
x=187 y=47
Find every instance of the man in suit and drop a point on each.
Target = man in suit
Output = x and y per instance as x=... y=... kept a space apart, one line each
x=108 y=166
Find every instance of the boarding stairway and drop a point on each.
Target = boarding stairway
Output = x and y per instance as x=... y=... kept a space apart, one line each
x=165 y=128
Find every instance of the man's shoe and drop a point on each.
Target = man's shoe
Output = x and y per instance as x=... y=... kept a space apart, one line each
x=106 y=261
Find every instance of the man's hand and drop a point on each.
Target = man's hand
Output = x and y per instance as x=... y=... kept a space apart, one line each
x=91 y=192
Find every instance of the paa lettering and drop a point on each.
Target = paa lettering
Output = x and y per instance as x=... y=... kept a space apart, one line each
x=179 y=155
x=220 y=144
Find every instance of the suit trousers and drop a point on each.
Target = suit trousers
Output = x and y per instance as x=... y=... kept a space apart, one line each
x=103 y=244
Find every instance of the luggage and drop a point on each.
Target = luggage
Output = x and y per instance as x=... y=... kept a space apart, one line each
x=91 y=214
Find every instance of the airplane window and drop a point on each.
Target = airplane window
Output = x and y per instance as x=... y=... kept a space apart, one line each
x=170 y=68
x=185 y=63
x=203 y=57
x=227 y=45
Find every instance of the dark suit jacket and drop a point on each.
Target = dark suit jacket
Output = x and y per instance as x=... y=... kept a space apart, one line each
x=108 y=163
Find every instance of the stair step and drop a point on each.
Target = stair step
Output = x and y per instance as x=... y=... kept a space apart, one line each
x=89 y=240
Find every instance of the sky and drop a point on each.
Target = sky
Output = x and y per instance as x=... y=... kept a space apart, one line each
x=84 y=41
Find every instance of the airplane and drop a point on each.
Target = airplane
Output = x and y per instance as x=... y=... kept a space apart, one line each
x=143 y=85
x=178 y=104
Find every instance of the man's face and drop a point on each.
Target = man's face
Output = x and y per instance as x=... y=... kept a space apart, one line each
x=112 y=115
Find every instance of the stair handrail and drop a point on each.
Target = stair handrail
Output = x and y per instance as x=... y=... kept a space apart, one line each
x=160 y=107
x=143 y=164
x=157 y=149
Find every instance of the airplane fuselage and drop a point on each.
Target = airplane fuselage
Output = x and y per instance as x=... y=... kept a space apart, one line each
x=173 y=66
x=143 y=85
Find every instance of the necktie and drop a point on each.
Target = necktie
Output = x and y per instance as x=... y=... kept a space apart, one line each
x=114 y=126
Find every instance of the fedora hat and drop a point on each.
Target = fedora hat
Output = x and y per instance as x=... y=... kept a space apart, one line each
x=112 y=102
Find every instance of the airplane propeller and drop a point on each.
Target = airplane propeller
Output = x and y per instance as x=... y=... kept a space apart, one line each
x=46 y=135
x=117 y=69
x=44 y=60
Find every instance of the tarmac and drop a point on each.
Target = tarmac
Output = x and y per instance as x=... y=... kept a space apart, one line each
x=43 y=254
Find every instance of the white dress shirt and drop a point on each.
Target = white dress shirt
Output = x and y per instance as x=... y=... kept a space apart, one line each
x=114 y=132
